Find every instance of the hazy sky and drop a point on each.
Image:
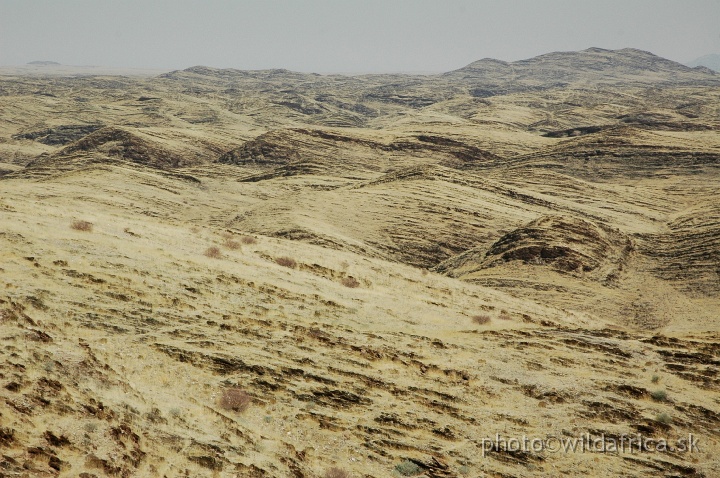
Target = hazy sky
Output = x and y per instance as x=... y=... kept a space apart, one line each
x=344 y=36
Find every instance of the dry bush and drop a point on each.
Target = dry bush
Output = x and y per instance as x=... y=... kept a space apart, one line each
x=336 y=472
x=235 y=399
x=319 y=334
x=481 y=319
x=286 y=262
x=82 y=226
x=350 y=282
x=231 y=244
x=248 y=240
x=504 y=315
x=213 y=252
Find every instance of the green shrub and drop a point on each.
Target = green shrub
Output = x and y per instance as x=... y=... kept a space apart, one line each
x=408 y=468
x=659 y=395
x=664 y=418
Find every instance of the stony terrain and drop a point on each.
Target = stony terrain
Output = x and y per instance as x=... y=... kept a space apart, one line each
x=388 y=268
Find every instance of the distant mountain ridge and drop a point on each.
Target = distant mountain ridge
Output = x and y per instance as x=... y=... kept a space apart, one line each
x=593 y=64
x=711 y=61
x=43 y=63
x=490 y=77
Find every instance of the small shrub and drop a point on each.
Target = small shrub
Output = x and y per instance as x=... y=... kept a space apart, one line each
x=655 y=379
x=235 y=399
x=664 y=418
x=504 y=315
x=408 y=468
x=213 y=252
x=481 y=319
x=82 y=226
x=286 y=262
x=350 y=282
x=231 y=244
x=155 y=416
x=336 y=472
x=659 y=395
x=248 y=240
x=319 y=334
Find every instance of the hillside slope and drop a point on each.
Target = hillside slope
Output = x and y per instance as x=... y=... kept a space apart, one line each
x=225 y=273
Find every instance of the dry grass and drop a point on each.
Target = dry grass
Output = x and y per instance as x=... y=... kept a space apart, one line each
x=235 y=399
x=336 y=472
x=82 y=226
x=286 y=262
x=213 y=252
x=481 y=319
x=504 y=315
x=248 y=240
x=350 y=282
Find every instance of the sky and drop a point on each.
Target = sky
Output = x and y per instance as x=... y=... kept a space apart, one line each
x=346 y=36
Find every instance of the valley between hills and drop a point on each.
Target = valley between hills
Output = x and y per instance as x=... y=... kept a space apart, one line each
x=382 y=270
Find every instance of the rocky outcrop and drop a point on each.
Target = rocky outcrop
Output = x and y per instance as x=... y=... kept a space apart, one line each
x=118 y=143
x=563 y=243
x=688 y=255
x=60 y=135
